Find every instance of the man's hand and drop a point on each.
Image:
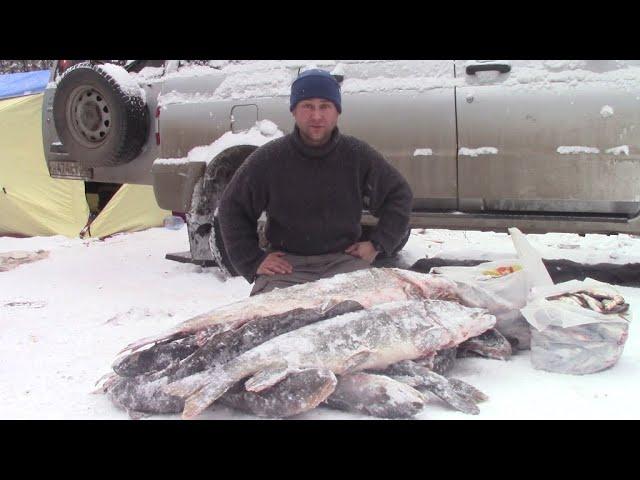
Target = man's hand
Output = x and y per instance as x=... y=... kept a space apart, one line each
x=273 y=265
x=364 y=250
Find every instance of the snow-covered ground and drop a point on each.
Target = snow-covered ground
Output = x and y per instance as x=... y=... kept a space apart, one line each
x=63 y=320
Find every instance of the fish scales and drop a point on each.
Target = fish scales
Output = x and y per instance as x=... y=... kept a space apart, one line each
x=370 y=339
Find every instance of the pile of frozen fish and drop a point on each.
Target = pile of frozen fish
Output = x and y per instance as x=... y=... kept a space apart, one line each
x=580 y=327
x=376 y=341
x=593 y=299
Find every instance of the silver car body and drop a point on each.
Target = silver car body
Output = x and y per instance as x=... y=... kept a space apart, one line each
x=541 y=145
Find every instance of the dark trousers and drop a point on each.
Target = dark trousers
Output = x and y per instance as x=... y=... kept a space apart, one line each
x=309 y=269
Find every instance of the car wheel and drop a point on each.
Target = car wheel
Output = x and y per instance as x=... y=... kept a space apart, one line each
x=203 y=223
x=99 y=121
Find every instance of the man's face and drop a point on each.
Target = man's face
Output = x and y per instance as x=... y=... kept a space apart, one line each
x=316 y=118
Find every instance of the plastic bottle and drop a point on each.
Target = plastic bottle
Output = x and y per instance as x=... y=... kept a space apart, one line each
x=173 y=222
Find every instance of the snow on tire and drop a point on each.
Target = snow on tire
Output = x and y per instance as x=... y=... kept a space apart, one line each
x=100 y=120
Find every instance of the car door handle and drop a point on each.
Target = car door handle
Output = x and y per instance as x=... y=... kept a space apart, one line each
x=486 y=67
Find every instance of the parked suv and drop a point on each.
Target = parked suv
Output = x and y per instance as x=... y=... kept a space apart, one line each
x=485 y=145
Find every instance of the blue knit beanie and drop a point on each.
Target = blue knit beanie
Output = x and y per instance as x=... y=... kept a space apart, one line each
x=315 y=84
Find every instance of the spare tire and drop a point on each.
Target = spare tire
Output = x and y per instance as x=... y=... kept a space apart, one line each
x=100 y=122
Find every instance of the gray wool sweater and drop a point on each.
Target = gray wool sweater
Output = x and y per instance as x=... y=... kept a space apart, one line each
x=314 y=199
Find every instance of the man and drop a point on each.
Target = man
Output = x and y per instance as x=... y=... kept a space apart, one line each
x=313 y=184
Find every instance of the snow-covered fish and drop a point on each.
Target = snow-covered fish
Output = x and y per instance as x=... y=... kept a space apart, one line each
x=298 y=393
x=376 y=395
x=367 y=287
x=370 y=339
x=490 y=344
x=194 y=356
x=456 y=393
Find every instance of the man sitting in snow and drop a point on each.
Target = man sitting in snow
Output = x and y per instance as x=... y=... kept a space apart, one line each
x=313 y=184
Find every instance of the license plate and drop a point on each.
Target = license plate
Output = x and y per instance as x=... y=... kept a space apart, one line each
x=73 y=170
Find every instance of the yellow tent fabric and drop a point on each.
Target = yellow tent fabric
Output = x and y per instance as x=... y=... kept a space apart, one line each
x=132 y=208
x=31 y=202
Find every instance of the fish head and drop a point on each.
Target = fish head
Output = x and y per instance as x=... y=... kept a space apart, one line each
x=448 y=323
x=426 y=285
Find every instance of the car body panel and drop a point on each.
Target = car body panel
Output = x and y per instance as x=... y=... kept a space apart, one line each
x=536 y=125
x=428 y=118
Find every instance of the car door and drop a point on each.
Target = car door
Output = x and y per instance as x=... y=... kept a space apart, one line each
x=549 y=136
x=406 y=110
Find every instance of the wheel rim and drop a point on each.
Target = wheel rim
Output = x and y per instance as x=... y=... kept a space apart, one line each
x=89 y=116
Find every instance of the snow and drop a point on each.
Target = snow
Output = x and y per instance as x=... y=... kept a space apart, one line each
x=148 y=73
x=618 y=150
x=73 y=311
x=272 y=78
x=474 y=152
x=422 y=152
x=606 y=111
x=125 y=80
x=563 y=150
x=262 y=132
x=534 y=75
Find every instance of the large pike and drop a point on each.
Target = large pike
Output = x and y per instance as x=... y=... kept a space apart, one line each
x=367 y=287
x=299 y=392
x=370 y=339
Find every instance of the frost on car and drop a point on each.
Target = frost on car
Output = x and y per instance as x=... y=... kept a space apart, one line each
x=487 y=145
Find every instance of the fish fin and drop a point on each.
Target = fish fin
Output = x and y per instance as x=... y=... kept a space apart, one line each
x=353 y=363
x=441 y=388
x=409 y=380
x=268 y=378
x=340 y=308
x=187 y=386
x=467 y=390
x=107 y=380
x=195 y=404
x=143 y=342
x=136 y=415
x=456 y=393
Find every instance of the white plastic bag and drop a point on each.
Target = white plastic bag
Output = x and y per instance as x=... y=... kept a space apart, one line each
x=573 y=339
x=536 y=272
x=541 y=313
x=502 y=288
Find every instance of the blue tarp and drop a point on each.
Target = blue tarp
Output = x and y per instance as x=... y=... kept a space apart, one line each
x=19 y=84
